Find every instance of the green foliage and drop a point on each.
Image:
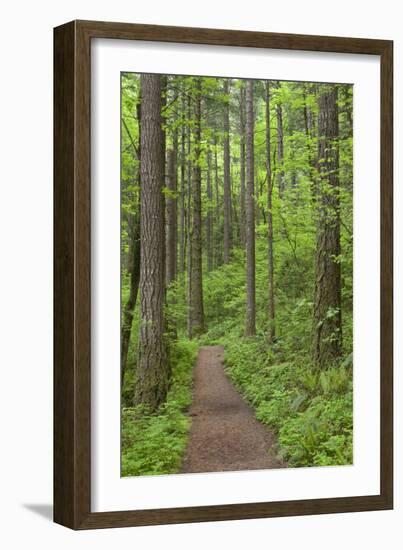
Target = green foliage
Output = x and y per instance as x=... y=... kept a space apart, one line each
x=155 y=443
x=321 y=435
x=310 y=410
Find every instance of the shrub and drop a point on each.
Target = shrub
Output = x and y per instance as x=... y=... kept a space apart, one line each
x=310 y=410
x=155 y=443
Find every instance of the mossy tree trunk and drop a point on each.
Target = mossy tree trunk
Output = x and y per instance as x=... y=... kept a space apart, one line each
x=250 y=326
x=280 y=149
x=227 y=177
x=196 y=296
x=209 y=215
x=152 y=374
x=133 y=265
x=271 y=306
x=242 y=215
x=327 y=333
x=172 y=216
x=134 y=280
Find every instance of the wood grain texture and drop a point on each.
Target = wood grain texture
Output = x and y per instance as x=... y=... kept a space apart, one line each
x=63 y=330
x=221 y=37
x=72 y=296
x=72 y=268
x=387 y=273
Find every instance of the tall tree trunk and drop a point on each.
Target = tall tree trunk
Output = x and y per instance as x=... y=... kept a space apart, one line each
x=307 y=112
x=309 y=132
x=133 y=262
x=348 y=111
x=134 y=279
x=227 y=177
x=242 y=214
x=152 y=375
x=209 y=217
x=250 y=327
x=327 y=341
x=164 y=94
x=189 y=219
x=257 y=202
x=218 y=240
x=234 y=217
x=172 y=217
x=196 y=297
x=280 y=149
x=182 y=246
x=171 y=232
x=261 y=192
x=271 y=309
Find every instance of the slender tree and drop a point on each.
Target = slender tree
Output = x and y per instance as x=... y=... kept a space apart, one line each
x=250 y=327
x=209 y=216
x=134 y=280
x=235 y=228
x=280 y=149
x=133 y=263
x=309 y=133
x=171 y=217
x=218 y=233
x=271 y=309
x=182 y=244
x=152 y=374
x=327 y=339
x=171 y=231
x=164 y=94
x=227 y=175
x=189 y=215
x=242 y=214
x=196 y=297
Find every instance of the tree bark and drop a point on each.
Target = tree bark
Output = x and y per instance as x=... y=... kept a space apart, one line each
x=327 y=340
x=309 y=132
x=152 y=366
x=209 y=217
x=250 y=327
x=172 y=216
x=271 y=308
x=280 y=149
x=218 y=240
x=182 y=246
x=189 y=218
x=196 y=297
x=134 y=278
x=164 y=93
x=235 y=229
x=227 y=178
x=242 y=214
x=133 y=261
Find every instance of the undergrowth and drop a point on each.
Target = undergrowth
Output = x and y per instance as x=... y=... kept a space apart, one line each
x=311 y=411
x=155 y=443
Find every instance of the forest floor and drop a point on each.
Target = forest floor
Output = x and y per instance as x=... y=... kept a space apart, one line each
x=225 y=434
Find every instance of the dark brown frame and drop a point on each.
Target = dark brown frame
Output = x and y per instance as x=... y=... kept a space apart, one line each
x=72 y=320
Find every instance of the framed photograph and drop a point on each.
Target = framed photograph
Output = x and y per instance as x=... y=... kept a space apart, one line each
x=222 y=275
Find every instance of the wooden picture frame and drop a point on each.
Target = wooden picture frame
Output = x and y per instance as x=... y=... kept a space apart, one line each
x=72 y=269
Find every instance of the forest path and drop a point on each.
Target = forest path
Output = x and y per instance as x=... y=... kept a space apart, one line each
x=225 y=434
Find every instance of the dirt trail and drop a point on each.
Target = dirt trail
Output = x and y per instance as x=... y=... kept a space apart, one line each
x=225 y=435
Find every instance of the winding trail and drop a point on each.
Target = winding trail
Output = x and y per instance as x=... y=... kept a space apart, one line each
x=225 y=434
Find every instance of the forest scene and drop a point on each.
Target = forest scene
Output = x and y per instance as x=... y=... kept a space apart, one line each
x=236 y=274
